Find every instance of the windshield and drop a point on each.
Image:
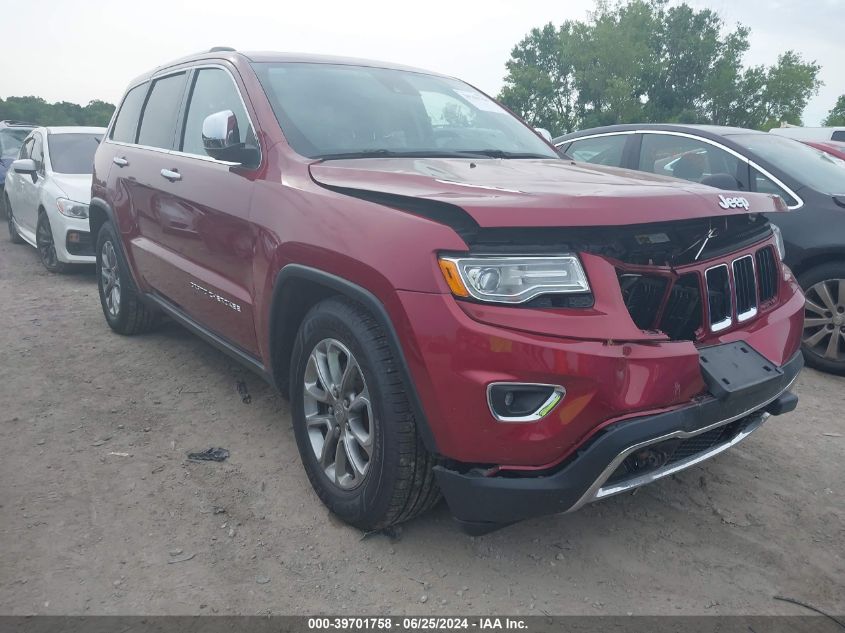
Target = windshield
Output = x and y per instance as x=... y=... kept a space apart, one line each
x=11 y=141
x=809 y=166
x=73 y=153
x=336 y=111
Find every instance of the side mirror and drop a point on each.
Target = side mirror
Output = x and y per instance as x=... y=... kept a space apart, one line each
x=544 y=133
x=221 y=139
x=25 y=166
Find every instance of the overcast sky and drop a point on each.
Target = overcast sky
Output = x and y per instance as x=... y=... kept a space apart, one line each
x=78 y=50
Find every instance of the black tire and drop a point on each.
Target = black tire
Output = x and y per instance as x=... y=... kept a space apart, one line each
x=833 y=273
x=132 y=315
x=399 y=483
x=46 y=245
x=14 y=236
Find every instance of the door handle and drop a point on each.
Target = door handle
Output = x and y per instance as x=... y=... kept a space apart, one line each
x=120 y=162
x=171 y=174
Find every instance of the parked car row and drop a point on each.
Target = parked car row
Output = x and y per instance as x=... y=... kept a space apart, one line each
x=452 y=308
x=47 y=192
x=809 y=181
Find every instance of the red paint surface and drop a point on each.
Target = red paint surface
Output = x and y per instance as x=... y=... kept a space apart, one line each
x=232 y=231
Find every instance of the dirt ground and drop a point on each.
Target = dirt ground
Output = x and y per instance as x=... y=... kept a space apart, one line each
x=100 y=513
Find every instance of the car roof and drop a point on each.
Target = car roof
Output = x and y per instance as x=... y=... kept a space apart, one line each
x=24 y=124
x=710 y=131
x=74 y=129
x=231 y=55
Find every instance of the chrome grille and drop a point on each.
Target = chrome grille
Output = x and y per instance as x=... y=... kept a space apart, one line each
x=745 y=284
x=735 y=292
x=767 y=274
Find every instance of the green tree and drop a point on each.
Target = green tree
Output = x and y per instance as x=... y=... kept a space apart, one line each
x=836 y=116
x=647 y=61
x=36 y=110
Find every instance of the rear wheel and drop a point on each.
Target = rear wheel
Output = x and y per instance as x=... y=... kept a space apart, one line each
x=46 y=245
x=14 y=236
x=353 y=423
x=824 y=317
x=122 y=305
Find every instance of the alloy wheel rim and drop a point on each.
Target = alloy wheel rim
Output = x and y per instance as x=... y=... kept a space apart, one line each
x=338 y=414
x=110 y=279
x=824 y=319
x=44 y=241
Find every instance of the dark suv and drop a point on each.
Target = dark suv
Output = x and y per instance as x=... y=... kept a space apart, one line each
x=12 y=134
x=450 y=307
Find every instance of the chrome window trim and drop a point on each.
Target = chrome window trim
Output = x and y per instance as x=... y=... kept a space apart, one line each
x=557 y=396
x=594 y=492
x=733 y=152
x=727 y=322
x=749 y=314
x=175 y=152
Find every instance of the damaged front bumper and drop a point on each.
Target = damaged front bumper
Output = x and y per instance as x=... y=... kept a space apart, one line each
x=624 y=455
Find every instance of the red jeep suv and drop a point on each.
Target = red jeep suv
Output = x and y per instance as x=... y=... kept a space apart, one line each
x=452 y=307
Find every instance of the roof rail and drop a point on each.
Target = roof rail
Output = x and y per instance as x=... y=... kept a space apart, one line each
x=221 y=49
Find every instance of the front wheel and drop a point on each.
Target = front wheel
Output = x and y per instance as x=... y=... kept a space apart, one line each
x=354 y=426
x=47 y=246
x=824 y=317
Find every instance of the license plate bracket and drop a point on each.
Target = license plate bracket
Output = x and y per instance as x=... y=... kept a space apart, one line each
x=735 y=368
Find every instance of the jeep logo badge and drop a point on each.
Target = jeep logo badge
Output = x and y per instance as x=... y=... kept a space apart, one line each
x=733 y=203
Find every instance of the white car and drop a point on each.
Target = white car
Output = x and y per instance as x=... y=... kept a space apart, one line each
x=47 y=192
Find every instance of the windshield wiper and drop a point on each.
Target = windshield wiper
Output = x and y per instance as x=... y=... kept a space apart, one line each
x=498 y=153
x=390 y=153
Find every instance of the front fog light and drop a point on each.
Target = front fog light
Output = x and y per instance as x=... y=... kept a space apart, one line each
x=513 y=279
x=522 y=402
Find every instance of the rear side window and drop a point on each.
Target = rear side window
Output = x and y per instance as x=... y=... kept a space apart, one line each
x=126 y=122
x=158 y=123
x=838 y=135
x=601 y=150
x=213 y=92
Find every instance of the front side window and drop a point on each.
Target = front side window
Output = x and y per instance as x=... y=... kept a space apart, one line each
x=158 y=122
x=686 y=158
x=73 y=153
x=26 y=148
x=214 y=91
x=126 y=123
x=37 y=150
x=11 y=141
x=330 y=110
x=599 y=150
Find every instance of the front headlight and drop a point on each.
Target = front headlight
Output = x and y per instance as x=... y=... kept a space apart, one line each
x=779 y=241
x=72 y=209
x=513 y=279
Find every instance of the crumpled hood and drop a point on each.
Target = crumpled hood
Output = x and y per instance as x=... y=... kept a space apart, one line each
x=534 y=193
x=77 y=187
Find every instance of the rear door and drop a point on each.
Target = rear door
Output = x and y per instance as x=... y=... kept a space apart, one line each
x=29 y=192
x=19 y=185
